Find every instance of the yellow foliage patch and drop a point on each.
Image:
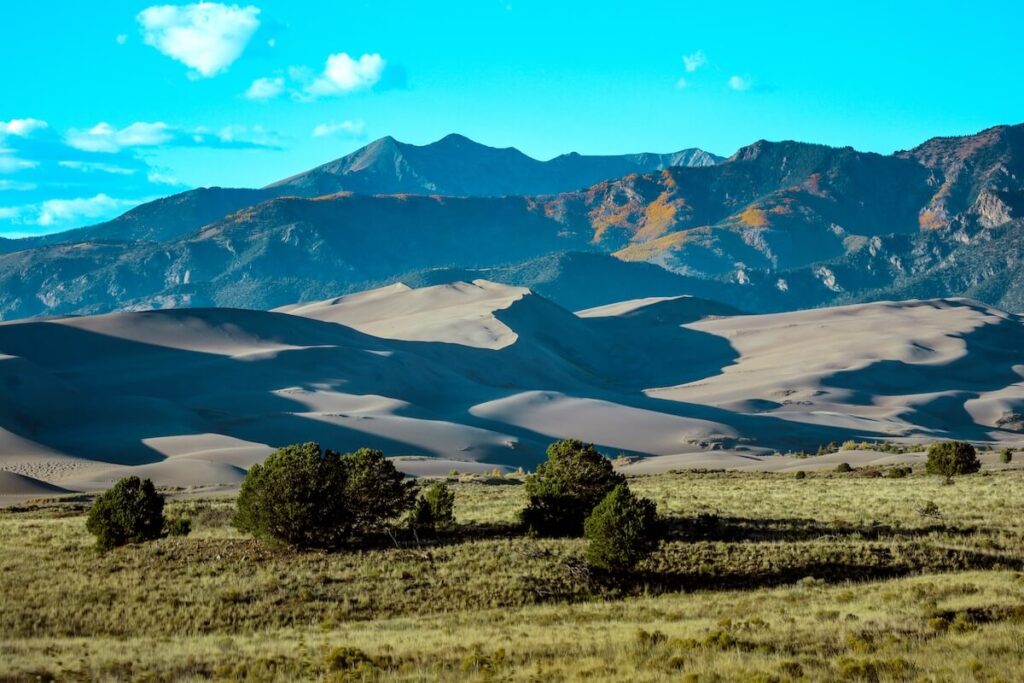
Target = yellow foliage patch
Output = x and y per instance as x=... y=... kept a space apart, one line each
x=645 y=251
x=659 y=216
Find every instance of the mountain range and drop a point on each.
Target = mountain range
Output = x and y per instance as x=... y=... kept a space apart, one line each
x=776 y=226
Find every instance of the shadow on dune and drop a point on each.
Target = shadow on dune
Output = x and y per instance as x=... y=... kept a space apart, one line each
x=84 y=387
x=989 y=362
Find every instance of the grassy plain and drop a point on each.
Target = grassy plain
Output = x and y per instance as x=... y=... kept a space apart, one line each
x=762 y=577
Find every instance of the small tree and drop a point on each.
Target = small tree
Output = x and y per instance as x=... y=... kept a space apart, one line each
x=130 y=512
x=1006 y=456
x=565 y=488
x=296 y=496
x=622 y=530
x=951 y=458
x=434 y=507
x=375 y=491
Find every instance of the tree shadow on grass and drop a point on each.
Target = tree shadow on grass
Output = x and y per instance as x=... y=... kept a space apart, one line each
x=733 y=529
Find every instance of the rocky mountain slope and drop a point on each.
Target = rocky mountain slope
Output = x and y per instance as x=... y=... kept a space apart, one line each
x=777 y=226
x=457 y=166
x=453 y=166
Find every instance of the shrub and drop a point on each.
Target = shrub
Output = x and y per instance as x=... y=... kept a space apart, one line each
x=130 y=512
x=621 y=530
x=898 y=472
x=800 y=474
x=1006 y=456
x=434 y=507
x=179 y=526
x=296 y=496
x=950 y=458
x=844 y=467
x=565 y=488
x=375 y=491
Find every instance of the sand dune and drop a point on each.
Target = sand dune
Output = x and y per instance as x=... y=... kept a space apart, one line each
x=14 y=484
x=480 y=374
x=458 y=313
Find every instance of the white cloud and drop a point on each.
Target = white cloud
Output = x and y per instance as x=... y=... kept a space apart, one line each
x=21 y=127
x=739 y=83
x=158 y=178
x=351 y=128
x=694 y=61
x=105 y=138
x=121 y=38
x=343 y=74
x=255 y=136
x=65 y=211
x=681 y=83
x=10 y=213
x=265 y=88
x=12 y=164
x=206 y=37
x=89 y=166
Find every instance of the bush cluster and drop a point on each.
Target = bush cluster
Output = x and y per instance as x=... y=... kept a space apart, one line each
x=576 y=491
x=565 y=488
x=952 y=458
x=130 y=512
x=307 y=497
x=434 y=508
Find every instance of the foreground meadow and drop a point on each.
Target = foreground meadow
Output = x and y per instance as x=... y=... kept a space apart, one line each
x=762 y=577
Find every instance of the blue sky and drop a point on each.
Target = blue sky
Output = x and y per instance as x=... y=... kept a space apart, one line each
x=108 y=104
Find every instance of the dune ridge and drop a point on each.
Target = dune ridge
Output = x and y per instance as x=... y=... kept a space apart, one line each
x=487 y=374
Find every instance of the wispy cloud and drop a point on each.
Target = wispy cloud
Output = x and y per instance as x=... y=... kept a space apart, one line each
x=97 y=167
x=694 y=61
x=343 y=74
x=21 y=127
x=347 y=128
x=106 y=139
x=207 y=37
x=61 y=213
x=265 y=88
x=12 y=164
x=64 y=211
x=16 y=186
x=739 y=83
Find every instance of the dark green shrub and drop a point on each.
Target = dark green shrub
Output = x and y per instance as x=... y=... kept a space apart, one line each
x=565 y=488
x=621 y=530
x=844 y=467
x=296 y=496
x=434 y=508
x=800 y=474
x=1006 y=456
x=130 y=512
x=179 y=526
x=950 y=458
x=309 y=498
x=375 y=491
x=898 y=472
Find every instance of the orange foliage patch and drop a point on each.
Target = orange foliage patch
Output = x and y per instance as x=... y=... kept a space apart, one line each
x=754 y=217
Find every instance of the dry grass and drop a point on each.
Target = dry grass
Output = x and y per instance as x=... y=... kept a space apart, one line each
x=824 y=578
